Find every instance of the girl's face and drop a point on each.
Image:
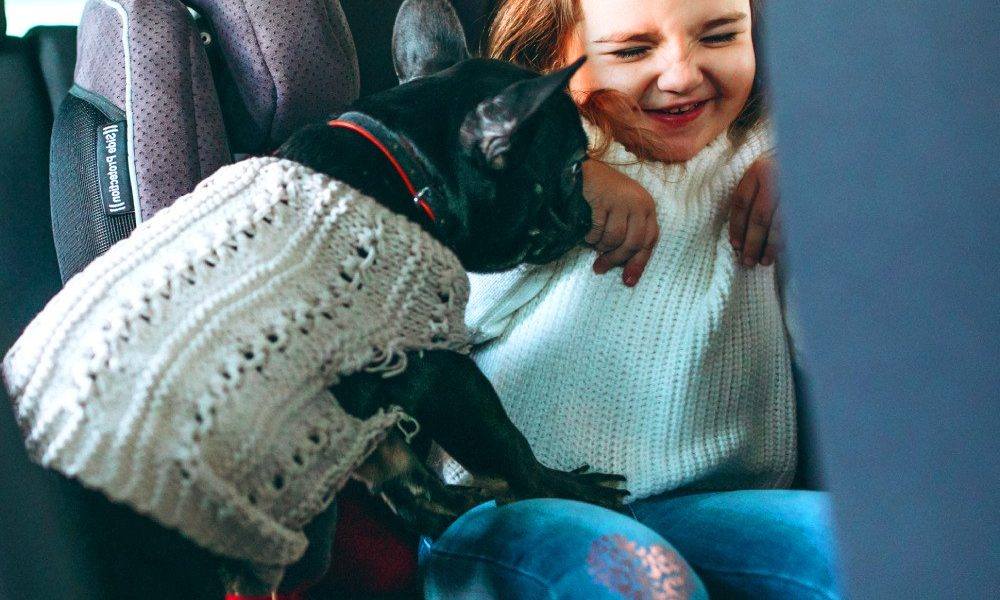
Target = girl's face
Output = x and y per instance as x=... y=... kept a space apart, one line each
x=689 y=64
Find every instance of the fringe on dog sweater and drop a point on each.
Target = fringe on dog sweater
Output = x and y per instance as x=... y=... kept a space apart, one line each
x=683 y=381
x=185 y=371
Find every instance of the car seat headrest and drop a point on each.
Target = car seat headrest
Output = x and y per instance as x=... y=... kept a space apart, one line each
x=145 y=59
x=162 y=98
x=291 y=62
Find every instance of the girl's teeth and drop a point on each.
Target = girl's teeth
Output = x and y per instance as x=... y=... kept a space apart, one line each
x=681 y=110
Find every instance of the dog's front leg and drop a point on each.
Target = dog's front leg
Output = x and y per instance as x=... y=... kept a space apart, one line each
x=393 y=471
x=458 y=407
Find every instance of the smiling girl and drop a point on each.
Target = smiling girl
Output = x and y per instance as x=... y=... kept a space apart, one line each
x=683 y=383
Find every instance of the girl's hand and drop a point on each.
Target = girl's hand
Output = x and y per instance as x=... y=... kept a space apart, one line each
x=754 y=223
x=624 y=228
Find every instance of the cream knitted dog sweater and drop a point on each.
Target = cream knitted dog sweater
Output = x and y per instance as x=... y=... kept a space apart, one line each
x=185 y=371
x=681 y=382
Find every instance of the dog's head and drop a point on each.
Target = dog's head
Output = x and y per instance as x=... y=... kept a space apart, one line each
x=506 y=143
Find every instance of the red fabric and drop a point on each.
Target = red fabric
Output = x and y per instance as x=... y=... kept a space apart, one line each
x=296 y=595
x=372 y=552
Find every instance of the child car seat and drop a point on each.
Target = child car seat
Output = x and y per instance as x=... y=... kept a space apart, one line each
x=165 y=92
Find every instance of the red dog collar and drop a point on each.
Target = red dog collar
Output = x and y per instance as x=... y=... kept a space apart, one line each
x=418 y=197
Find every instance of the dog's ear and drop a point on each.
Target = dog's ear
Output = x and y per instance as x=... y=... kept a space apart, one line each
x=488 y=129
x=426 y=38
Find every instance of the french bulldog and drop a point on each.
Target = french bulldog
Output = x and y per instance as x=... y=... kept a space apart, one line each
x=504 y=148
x=497 y=152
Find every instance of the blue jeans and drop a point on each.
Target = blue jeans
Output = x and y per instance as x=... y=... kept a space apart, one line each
x=743 y=544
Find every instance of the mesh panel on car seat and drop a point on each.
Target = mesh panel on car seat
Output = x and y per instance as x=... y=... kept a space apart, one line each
x=89 y=186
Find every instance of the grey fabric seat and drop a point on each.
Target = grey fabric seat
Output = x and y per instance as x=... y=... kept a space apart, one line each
x=52 y=540
x=35 y=71
x=162 y=98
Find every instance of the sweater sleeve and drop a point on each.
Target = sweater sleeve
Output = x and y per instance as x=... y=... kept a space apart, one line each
x=494 y=298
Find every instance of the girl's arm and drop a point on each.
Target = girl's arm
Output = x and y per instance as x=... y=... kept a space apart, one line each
x=755 y=223
x=624 y=230
x=754 y=220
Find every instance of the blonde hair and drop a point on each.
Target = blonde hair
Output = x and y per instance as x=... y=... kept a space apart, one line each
x=533 y=34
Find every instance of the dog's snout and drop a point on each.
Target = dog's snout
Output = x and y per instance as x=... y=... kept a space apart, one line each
x=558 y=233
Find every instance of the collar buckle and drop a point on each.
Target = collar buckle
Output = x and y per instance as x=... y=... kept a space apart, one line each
x=421 y=200
x=372 y=130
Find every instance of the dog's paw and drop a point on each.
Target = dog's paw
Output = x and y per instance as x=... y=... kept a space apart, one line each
x=602 y=489
x=427 y=505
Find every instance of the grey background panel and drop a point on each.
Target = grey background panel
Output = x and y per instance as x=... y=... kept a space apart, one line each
x=887 y=116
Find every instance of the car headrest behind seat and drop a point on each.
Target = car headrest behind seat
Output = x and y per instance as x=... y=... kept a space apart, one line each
x=291 y=63
x=144 y=123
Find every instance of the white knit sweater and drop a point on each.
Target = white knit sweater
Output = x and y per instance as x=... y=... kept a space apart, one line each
x=185 y=371
x=681 y=382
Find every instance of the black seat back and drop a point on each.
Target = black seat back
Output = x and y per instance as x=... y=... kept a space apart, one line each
x=28 y=271
x=41 y=548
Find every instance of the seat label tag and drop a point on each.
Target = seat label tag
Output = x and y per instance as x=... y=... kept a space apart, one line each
x=112 y=169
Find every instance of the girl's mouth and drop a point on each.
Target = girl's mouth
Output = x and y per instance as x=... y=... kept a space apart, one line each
x=677 y=116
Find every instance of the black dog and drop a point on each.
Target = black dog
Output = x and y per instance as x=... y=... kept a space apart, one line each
x=500 y=150
x=496 y=153
x=505 y=188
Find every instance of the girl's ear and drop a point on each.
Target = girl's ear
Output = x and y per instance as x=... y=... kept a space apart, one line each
x=426 y=38
x=488 y=129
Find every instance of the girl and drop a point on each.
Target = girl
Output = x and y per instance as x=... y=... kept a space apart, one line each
x=682 y=384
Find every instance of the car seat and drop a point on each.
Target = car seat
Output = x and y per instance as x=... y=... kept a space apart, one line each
x=165 y=92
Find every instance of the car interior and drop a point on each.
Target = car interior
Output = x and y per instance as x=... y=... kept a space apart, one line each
x=48 y=545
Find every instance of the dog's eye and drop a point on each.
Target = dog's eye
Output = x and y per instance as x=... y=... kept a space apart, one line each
x=577 y=167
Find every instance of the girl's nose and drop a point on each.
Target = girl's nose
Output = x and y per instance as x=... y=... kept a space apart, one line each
x=680 y=72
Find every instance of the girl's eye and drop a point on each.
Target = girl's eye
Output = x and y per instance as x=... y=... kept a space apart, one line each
x=719 y=38
x=577 y=167
x=631 y=52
